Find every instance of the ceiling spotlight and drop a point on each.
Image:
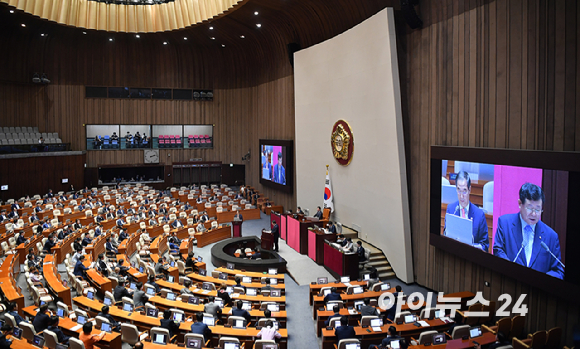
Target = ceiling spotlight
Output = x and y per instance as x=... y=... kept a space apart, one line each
x=85 y=33
x=36 y=78
x=42 y=34
x=11 y=11
x=110 y=39
x=210 y=28
x=258 y=25
x=243 y=37
x=185 y=38
x=164 y=42
x=45 y=79
x=213 y=38
x=137 y=36
x=256 y=13
x=23 y=25
x=223 y=45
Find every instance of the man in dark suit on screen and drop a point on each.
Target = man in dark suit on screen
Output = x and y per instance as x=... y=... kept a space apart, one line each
x=524 y=239
x=279 y=175
x=464 y=208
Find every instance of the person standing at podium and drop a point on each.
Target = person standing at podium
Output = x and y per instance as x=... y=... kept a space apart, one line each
x=276 y=235
x=238 y=216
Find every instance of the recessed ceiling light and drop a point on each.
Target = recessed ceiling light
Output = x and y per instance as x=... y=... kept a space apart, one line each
x=258 y=25
x=243 y=37
x=23 y=25
x=256 y=13
x=110 y=39
x=164 y=42
x=213 y=38
x=11 y=11
x=85 y=33
x=42 y=34
x=185 y=38
x=210 y=28
x=137 y=36
x=223 y=45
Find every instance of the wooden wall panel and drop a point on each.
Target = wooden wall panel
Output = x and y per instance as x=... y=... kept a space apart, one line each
x=500 y=74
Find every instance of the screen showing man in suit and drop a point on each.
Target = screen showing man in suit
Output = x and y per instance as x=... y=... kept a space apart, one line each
x=464 y=208
x=279 y=171
x=524 y=239
x=274 y=154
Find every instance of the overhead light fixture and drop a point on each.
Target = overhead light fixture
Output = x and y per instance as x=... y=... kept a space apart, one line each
x=45 y=79
x=164 y=42
x=23 y=25
x=85 y=33
x=137 y=36
x=223 y=45
x=110 y=39
x=243 y=37
x=185 y=38
x=258 y=25
x=42 y=34
x=11 y=11
x=256 y=13
x=36 y=78
x=213 y=38
x=210 y=28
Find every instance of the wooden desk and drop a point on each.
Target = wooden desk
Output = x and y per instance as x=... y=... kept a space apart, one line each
x=315 y=288
x=231 y=282
x=62 y=248
x=54 y=281
x=211 y=236
x=227 y=217
x=297 y=233
x=339 y=263
x=159 y=245
x=140 y=277
x=278 y=276
x=8 y=273
x=97 y=247
x=100 y=282
x=367 y=336
x=129 y=245
x=486 y=338
x=22 y=249
x=316 y=238
x=111 y=340
x=277 y=208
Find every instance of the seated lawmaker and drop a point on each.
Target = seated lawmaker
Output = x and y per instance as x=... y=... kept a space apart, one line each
x=332 y=296
x=336 y=311
x=200 y=328
x=105 y=313
x=42 y=319
x=238 y=311
x=169 y=324
x=344 y=331
x=12 y=309
x=62 y=338
x=256 y=254
x=269 y=332
x=80 y=269
x=318 y=213
x=120 y=291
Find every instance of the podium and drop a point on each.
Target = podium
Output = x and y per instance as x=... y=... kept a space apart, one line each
x=267 y=240
x=237 y=227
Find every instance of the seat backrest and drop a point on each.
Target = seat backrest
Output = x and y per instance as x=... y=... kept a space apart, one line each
x=228 y=340
x=129 y=333
x=539 y=340
x=460 y=331
x=50 y=339
x=401 y=315
x=554 y=338
x=518 y=323
x=259 y=344
x=332 y=321
x=342 y=344
x=365 y=321
x=232 y=319
x=28 y=331
x=161 y=331
x=10 y=320
x=504 y=325
x=426 y=337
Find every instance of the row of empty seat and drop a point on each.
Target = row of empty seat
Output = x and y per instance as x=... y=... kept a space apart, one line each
x=28 y=141
x=18 y=129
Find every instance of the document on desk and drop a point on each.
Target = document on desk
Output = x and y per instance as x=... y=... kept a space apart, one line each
x=423 y=323
x=459 y=228
x=235 y=295
x=76 y=328
x=205 y=291
x=376 y=329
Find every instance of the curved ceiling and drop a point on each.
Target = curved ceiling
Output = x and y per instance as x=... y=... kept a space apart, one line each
x=153 y=18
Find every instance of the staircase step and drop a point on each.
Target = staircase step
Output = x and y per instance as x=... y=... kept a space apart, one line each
x=384 y=269
x=378 y=265
x=385 y=276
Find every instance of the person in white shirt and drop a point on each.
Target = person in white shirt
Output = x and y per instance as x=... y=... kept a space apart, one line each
x=269 y=332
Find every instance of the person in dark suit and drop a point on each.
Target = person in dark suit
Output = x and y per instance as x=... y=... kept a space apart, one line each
x=276 y=234
x=15 y=205
x=21 y=239
x=331 y=227
x=238 y=311
x=279 y=175
x=102 y=266
x=176 y=224
x=86 y=241
x=268 y=166
x=344 y=331
x=392 y=336
x=318 y=213
x=299 y=210
x=80 y=269
x=199 y=327
x=336 y=310
x=12 y=309
x=392 y=311
x=120 y=291
x=169 y=323
x=332 y=296
x=256 y=254
x=154 y=284
x=42 y=319
x=123 y=235
x=38 y=208
x=62 y=338
x=360 y=251
x=239 y=216
x=464 y=208
x=524 y=239
x=49 y=244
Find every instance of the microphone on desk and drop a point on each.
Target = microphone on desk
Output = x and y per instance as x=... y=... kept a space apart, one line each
x=520 y=251
x=548 y=249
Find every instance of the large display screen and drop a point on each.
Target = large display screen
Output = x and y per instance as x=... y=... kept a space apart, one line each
x=508 y=210
x=276 y=164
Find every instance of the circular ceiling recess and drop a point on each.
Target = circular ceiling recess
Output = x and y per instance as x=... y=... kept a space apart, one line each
x=128 y=16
